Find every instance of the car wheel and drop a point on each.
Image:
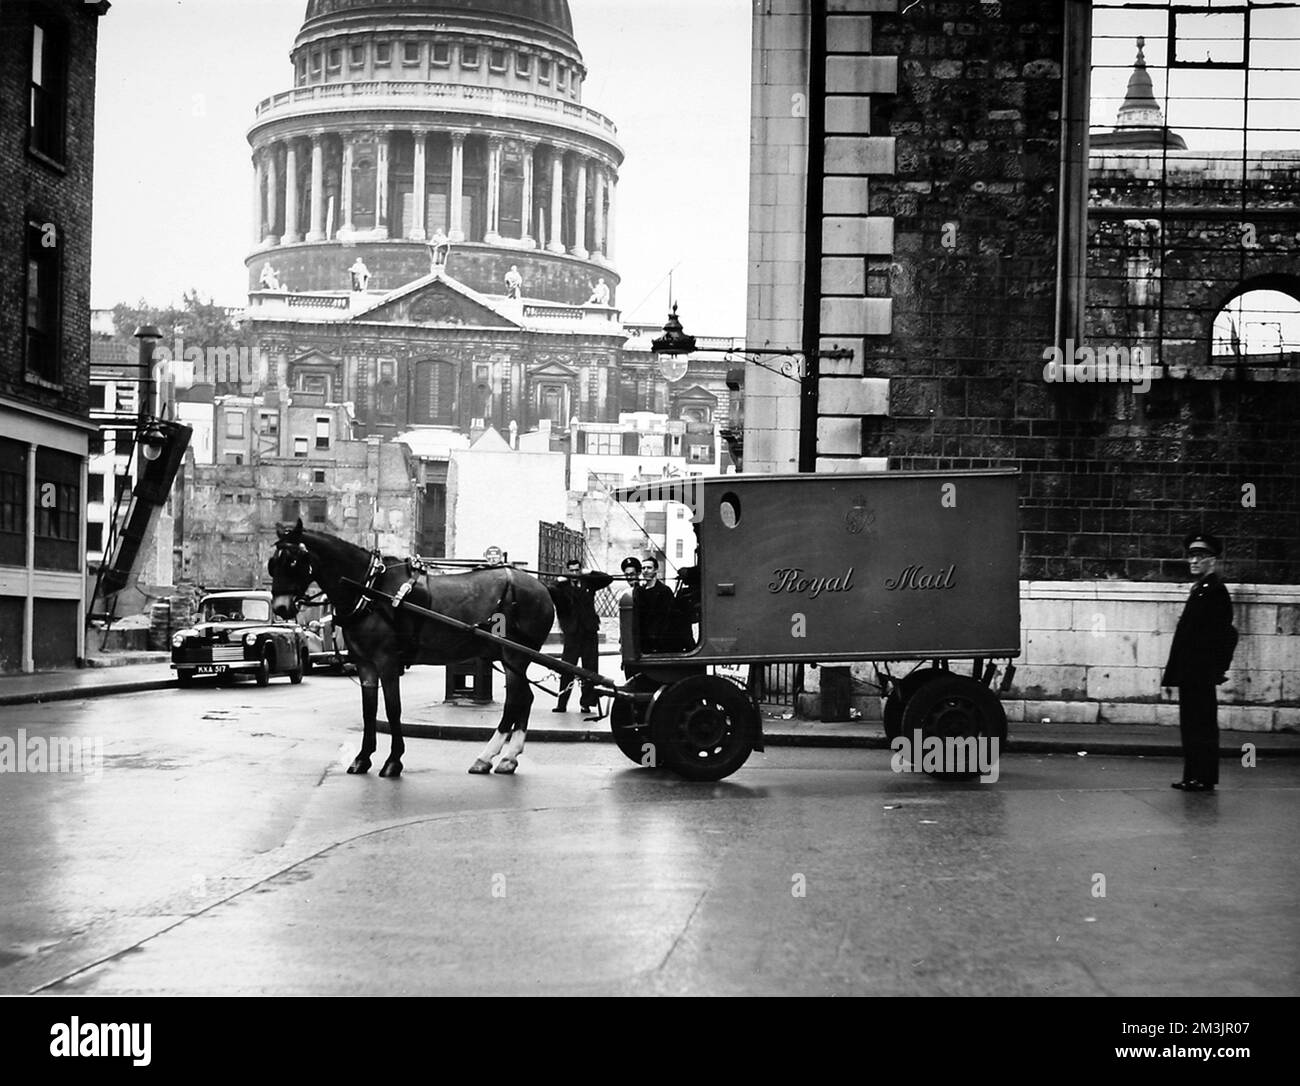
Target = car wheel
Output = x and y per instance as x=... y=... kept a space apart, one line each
x=304 y=665
x=263 y=672
x=184 y=679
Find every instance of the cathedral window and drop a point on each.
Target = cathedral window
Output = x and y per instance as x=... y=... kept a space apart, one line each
x=497 y=60
x=315 y=63
x=469 y=56
x=410 y=52
x=543 y=70
x=383 y=52
x=440 y=54
x=335 y=60
x=357 y=56
x=523 y=63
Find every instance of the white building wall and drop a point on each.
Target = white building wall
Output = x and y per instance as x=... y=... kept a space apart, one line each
x=498 y=497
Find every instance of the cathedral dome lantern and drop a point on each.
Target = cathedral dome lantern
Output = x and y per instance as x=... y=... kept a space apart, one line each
x=1139 y=122
x=457 y=122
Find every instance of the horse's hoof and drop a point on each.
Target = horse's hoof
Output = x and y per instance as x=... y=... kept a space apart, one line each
x=359 y=765
x=480 y=766
x=391 y=769
x=507 y=765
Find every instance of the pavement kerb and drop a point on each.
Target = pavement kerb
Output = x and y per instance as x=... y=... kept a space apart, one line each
x=777 y=733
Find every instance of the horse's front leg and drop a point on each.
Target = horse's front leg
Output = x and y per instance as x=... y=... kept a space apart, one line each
x=514 y=719
x=369 y=712
x=393 y=706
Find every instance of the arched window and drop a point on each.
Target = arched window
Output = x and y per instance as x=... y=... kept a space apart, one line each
x=435 y=394
x=1258 y=326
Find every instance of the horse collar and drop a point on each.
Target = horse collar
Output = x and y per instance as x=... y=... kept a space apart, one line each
x=374 y=570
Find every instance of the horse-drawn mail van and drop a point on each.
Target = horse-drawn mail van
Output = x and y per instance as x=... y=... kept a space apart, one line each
x=820 y=568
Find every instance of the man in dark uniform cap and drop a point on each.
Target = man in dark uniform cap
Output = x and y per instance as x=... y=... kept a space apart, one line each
x=1198 y=661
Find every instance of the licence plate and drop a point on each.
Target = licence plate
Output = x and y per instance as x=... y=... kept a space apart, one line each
x=211 y=669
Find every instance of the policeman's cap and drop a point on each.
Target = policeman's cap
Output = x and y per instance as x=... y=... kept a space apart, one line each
x=1199 y=541
x=630 y=563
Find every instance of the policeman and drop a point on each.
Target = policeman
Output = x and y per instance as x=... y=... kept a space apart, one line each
x=1198 y=661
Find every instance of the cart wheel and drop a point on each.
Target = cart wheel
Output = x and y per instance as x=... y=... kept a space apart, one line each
x=263 y=672
x=623 y=717
x=955 y=707
x=902 y=692
x=703 y=727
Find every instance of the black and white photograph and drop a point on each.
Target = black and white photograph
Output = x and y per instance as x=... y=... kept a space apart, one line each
x=611 y=498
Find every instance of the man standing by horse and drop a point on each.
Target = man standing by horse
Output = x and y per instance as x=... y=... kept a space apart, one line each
x=574 y=597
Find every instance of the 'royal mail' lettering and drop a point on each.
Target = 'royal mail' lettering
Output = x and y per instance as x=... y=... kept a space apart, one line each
x=791 y=580
x=912 y=577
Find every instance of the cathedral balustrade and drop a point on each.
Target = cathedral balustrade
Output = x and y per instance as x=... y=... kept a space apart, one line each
x=600 y=314
x=384 y=93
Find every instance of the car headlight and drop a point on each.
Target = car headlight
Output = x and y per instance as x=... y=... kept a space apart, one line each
x=250 y=639
x=178 y=638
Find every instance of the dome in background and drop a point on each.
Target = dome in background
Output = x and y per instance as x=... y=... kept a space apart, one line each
x=548 y=16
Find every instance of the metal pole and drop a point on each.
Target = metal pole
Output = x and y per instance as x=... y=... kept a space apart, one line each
x=812 y=285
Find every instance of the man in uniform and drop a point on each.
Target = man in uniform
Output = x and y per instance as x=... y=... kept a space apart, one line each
x=575 y=606
x=1198 y=661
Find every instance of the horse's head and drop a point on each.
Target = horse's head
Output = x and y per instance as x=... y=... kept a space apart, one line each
x=290 y=569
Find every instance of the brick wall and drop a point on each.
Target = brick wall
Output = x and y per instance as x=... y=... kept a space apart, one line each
x=43 y=192
x=939 y=239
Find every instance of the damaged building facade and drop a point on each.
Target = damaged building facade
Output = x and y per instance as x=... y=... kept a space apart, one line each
x=929 y=167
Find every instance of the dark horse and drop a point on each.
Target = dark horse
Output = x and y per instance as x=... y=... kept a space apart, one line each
x=384 y=640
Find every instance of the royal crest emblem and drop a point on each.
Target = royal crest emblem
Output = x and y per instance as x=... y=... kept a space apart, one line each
x=860 y=517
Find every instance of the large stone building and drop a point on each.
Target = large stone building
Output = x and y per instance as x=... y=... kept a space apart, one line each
x=922 y=191
x=434 y=213
x=47 y=115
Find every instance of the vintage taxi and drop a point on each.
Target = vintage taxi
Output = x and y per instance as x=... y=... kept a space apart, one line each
x=235 y=633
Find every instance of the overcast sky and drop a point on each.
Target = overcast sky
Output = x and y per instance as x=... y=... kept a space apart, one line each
x=179 y=80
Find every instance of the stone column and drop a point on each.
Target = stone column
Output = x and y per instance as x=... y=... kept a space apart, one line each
x=272 y=196
x=418 y=195
x=291 y=193
x=381 y=182
x=316 y=231
x=526 y=216
x=259 y=179
x=598 y=223
x=493 y=232
x=609 y=221
x=579 y=248
x=345 y=196
x=454 y=231
x=554 y=244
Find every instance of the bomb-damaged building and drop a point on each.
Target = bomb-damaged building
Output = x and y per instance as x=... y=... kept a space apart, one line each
x=1060 y=237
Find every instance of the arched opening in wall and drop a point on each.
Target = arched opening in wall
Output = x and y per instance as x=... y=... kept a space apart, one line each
x=434 y=400
x=1259 y=325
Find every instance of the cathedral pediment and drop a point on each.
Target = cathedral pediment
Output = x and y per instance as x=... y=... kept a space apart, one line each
x=435 y=301
x=552 y=368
